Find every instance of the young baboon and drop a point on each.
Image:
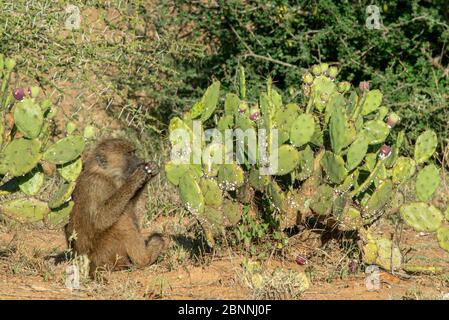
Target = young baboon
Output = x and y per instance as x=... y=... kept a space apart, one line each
x=104 y=224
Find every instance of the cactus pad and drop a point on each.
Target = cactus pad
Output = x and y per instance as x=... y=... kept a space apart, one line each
x=288 y=159
x=373 y=101
x=321 y=202
x=443 y=238
x=62 y=195
x=211 y=192
x=257 y=181
x=176 y=171
x=191 y=194
x=70 y=170
x=305 y=163
x=338 y=130
x=31 y=183
x=230 y=176
x=212 y=157
x=28 y=118
x=427 y=182
x=421 y=216
x=380 y=197
x=425 y=146
x=403 y=169
x=356 y=153
x=65 y=150
x=24 y=209
x=210 y=100
x=375 y=131
x=284 y=119
x=322 y=90
x=302 y=129
x=231 y=106
x=382 y=252
x=276 y=196
x=334 y=166
x=20 y=156
x=232 y=211
x=60 y=215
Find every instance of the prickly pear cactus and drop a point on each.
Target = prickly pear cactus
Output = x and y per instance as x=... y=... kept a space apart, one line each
x=26 y=147
x=333 y=161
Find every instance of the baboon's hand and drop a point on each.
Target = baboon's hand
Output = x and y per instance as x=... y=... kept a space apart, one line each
x=151 y=168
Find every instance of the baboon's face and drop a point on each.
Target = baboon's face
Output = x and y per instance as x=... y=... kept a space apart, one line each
x=118 y=157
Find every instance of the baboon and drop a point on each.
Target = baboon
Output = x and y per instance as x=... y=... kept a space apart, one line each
x=104 y=224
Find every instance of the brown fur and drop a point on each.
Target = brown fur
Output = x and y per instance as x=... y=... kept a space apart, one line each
x=103 y=223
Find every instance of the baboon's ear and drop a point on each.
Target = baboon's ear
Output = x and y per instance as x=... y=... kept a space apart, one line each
x=101 y=160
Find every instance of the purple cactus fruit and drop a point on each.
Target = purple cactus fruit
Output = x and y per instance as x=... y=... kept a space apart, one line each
x=254 y=114
x=364 y=86
x=352 y=266
x=18 y=94
x=385 y=151
x=392 y=120
x=301 y=260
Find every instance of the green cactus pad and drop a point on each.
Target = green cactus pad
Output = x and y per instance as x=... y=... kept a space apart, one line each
x=176 y=171
x=425 y=146
x=305 y=163
x=322 y=89
x=443 y=238
x=336 y=102
x=70 y=170
x=276 y=196
x=230 y=176
x=23 y=209
x=62 y=195
x=65 y=150
x=225 y=122
x=356 y=153
x=231 y=106
x=288 y=159
x=403 y=169
x=421 y=216
x=317 y=138
x=373 y=101
x=334 y=166
x=338 y=130
x=257 y=181
x=232 y=211
x=210 y=100
x=321 y=202
x=243 y=122
x=212 y=157
x=211 y=192
x=382 y=252
x=375 y=131
x=446 y=213
x=212 y=221
x=302 y=129
x=380 y=198
x=427 y=182
x=20 y=156
x=31 y=183
x=197 y=109
x=284 y=120
x=351 y=219
x=28 y=118
x=60 y=215
x=191 y=194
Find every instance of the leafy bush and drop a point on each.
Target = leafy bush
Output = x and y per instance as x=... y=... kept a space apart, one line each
x=407 y=58
x=123 y=52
